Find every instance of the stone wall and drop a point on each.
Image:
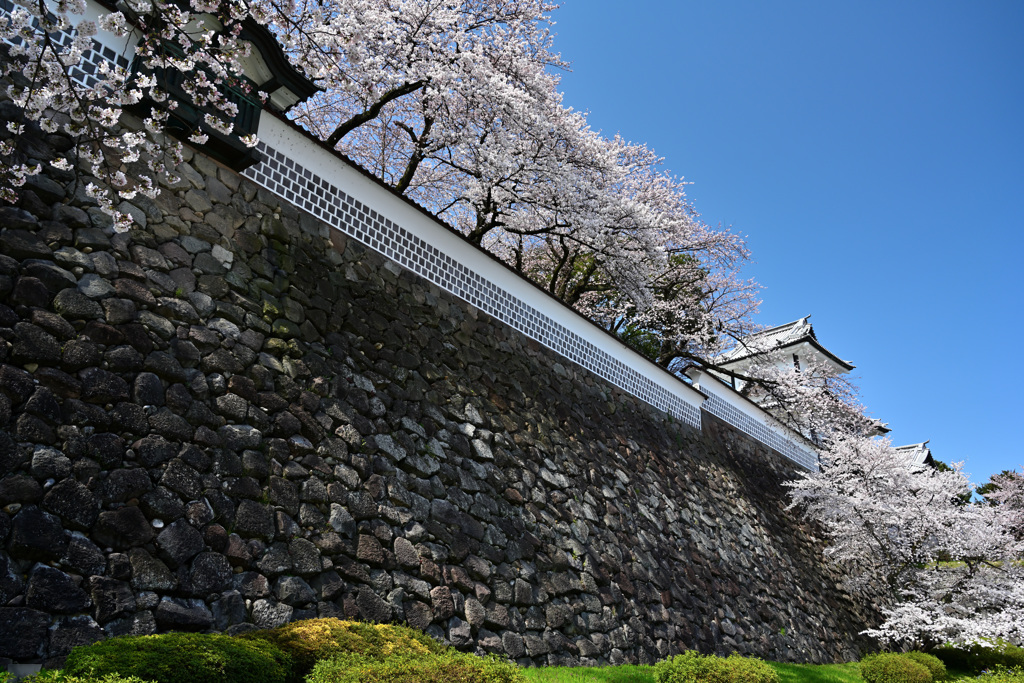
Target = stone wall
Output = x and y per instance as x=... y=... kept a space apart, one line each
x=229 y=417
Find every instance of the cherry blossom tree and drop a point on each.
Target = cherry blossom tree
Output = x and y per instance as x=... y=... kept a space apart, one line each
x=46 y=80
x=1008 y=495
x=458 y=107
x=941 y=570
x=454 y=104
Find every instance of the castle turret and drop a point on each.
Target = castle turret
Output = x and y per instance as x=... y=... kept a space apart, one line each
x=793 y=344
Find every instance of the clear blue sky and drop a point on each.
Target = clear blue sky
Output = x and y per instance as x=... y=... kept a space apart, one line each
x=873 y=155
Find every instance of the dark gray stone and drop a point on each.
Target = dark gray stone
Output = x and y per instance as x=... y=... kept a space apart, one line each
x=270 y=614
x=163 y=504
x=179 y=542
x=459 y=633
x=182 y=479
x=229 y=610
x=305 y=557
x=37 y=535
x=252 y=585
x=138 y=624
x=167 y=424
x=44 y=404
x=72 y=632
x=21 y=489
x=371 y=607
x=154 y=450
x=51 y=590
x=442 y=603
x=240 y=437
x=20 y=244
x=166 y=366
x=101 y=386
x=11 y=584
x=124 y=528
x=148 y=389
x=53 y=277
x=276 y=560
x=74 y=305
x=149 y=573
x=23 y=633
x=183 y=615
x=11 y=457
x=49 y=463
x=33 y=344
x=122 y=485
x=113 y=598
x=83 y=556
x=292 y=590
x=254 y=520
x=106 y=449
x=210 y=573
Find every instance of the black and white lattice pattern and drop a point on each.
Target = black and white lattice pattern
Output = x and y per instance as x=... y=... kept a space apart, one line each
x=760 y=431
x=308 y=191
x=85 y=72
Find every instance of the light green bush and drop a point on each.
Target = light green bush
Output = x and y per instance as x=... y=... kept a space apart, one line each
x=1003 y=675
x=934 y=665
x=58 y=676
x=693 y=667
x=181 y=658
x=449 y=666
x=309 y=641
x=890 y=667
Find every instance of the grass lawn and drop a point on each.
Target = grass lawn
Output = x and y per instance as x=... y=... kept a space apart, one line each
x=818 y=673
x=788 y=673
x=581 y=674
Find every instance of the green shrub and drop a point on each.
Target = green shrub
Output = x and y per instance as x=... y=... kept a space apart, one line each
x=1001 y=675
x=181 y=658
x=980 y=657
x=307 y=642
x=934 y=665
x=43 y=676
x=890 y=667
x=58 y=676
x=693 y=667
x=449 y=666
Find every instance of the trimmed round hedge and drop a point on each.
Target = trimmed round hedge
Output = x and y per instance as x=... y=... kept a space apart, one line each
x=693 y=667
x=934 y=665
x=890 y=667
x=312 y=640
x=450 y=666
x=181 y=658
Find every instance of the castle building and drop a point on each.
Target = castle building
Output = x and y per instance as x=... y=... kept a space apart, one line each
x=917 y=454
x=791 y=345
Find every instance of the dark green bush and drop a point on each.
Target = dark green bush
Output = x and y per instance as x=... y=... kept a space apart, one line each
x=181 y=658
x=890 y=667
x=693 y=667
x=309 y=641
x=977 y=658
x=934 y=665
x=449 y=666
